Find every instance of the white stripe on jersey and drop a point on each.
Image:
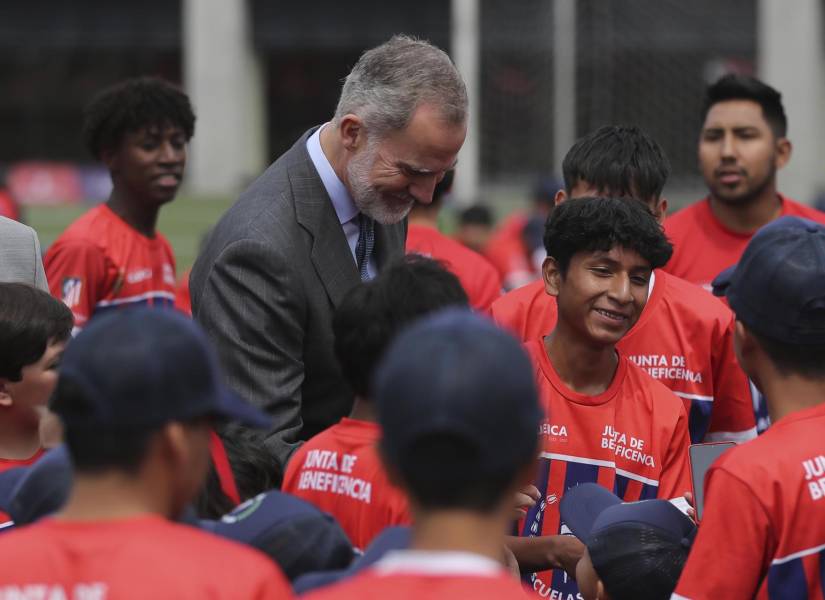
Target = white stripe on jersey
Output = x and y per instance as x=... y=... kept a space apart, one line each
x=693 y=396
x=138 y=298
x=598 y=463
x=739 y=437
x=795 y=555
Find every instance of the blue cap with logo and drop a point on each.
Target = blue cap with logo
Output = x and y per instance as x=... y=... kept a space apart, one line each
x=778 y=287
x=142 y=367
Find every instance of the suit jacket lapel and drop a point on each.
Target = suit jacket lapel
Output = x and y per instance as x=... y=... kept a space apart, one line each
x=330 y=252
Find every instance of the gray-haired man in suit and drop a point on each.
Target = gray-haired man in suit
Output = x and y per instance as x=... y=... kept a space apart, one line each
x=20 y=259
x=328 y=213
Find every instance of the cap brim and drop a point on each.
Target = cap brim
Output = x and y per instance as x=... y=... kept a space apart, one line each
x=581 y=506
x=721 y=282
x=233 y=408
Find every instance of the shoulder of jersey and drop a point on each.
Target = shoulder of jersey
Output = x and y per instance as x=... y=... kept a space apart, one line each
x=524 y=295
x=683 y=218
x=694 y=298
x=803 y=210
x=660 y=394
x=88 y=227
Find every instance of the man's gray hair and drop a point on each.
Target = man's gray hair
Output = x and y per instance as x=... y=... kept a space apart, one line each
x=390 y=81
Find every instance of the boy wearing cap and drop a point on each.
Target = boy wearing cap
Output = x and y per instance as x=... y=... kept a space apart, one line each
x=113 y=256
x=137 y=392
x=684 y=336
x=633 y=550
x=608 y=422
x=762 y=533
x=339 y=470
x=459 y=436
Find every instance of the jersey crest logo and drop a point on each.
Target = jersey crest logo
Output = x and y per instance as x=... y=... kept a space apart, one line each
x=70 y=291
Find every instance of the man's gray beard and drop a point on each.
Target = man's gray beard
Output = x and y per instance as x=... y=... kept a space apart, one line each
x=366 y=197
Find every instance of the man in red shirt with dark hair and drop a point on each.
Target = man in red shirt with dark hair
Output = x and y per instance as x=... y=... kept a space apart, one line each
x=742 y=145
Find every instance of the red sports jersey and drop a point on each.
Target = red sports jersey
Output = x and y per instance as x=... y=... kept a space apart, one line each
x=684 y=339
x=508 y=253
x=183 y=298
x=478 y=277
x=703 y=247
x=339 y=471
x=762 y=533
x=100 y=263
x=631 y=439
x=140 y=557
x=416 y=575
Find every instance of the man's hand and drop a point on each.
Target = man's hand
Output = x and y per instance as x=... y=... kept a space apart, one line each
x=526 y=499
x=547 y=552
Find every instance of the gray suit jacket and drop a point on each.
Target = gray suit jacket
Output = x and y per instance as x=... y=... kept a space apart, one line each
x=265 y=286
x=20 y=259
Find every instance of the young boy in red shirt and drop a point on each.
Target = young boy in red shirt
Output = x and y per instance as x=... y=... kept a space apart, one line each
x=608 y=421
x=112 y=256
x=457 y=405
x=684 y=337
x=339 y=470
x=137 y=393
x=34 y=328
x=762 y=534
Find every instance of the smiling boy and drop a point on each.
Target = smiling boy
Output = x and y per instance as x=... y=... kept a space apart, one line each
x=608 y=422
x=112 y=256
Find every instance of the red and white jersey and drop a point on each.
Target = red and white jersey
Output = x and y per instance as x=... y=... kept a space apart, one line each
x=684 y=339
x=417 y=575
x=703 y=247
x=339 y=471
x=762 y=533
x=477 y=276
x=632 y=439
x=139 y=557
x=101 y=263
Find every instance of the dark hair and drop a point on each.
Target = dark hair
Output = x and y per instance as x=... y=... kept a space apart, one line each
x=619 y=160
x=478 y=214
x=29 y=320
x=794 y=359
x=438 y=471
x=590 y=224
x=373 y=312
x=254 y=468
x=131 y=105
x=742 y=87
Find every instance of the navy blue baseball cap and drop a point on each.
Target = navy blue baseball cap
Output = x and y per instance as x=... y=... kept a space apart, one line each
x=295 y=534
x=638 y=549
x=456 y=373
x=34 y=491
x=142 y=367
x=778 y=287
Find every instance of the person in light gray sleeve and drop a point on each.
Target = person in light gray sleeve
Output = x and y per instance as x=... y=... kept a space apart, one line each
x=330 y=212
x=20 y=258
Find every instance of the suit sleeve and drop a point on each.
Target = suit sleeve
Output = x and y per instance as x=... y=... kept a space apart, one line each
x=251 y=306
x=734 y=544
x=732 y=418
x=39 y=272
x=76 y=272
x=675 y=478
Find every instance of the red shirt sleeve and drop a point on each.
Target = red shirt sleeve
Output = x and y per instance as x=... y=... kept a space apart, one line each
x=675 y=478
x=76 y=272
x=733 y=547
x=732 y=418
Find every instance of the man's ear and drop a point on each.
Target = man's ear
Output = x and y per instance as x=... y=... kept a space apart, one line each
x=351 y=131
x=784 y=149
x=601 y=594
x=5 y=395
x=552 y=276
x=174 y=444
x=661 y=210
x=560 y=197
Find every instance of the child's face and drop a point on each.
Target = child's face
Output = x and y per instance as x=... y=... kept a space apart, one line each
x=602 y=294
x=39 y=379
x=149 y=163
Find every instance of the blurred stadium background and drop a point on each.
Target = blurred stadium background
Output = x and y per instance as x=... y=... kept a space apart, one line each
x=260 y=72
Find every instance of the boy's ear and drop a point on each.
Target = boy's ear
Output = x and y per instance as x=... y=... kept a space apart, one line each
x=5 y=396
x=552 y=276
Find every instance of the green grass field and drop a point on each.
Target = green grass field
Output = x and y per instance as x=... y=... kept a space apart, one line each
x=183 y=222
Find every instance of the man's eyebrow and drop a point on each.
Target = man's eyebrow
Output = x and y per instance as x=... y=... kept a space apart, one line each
x=422 y=170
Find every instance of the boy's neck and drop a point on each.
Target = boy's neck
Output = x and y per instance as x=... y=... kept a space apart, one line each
x=584 y=368
x=787 y=395
x=112 y=495
x=363 y=410
x=142 y=218
x=460 y=531
x=18 y=441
